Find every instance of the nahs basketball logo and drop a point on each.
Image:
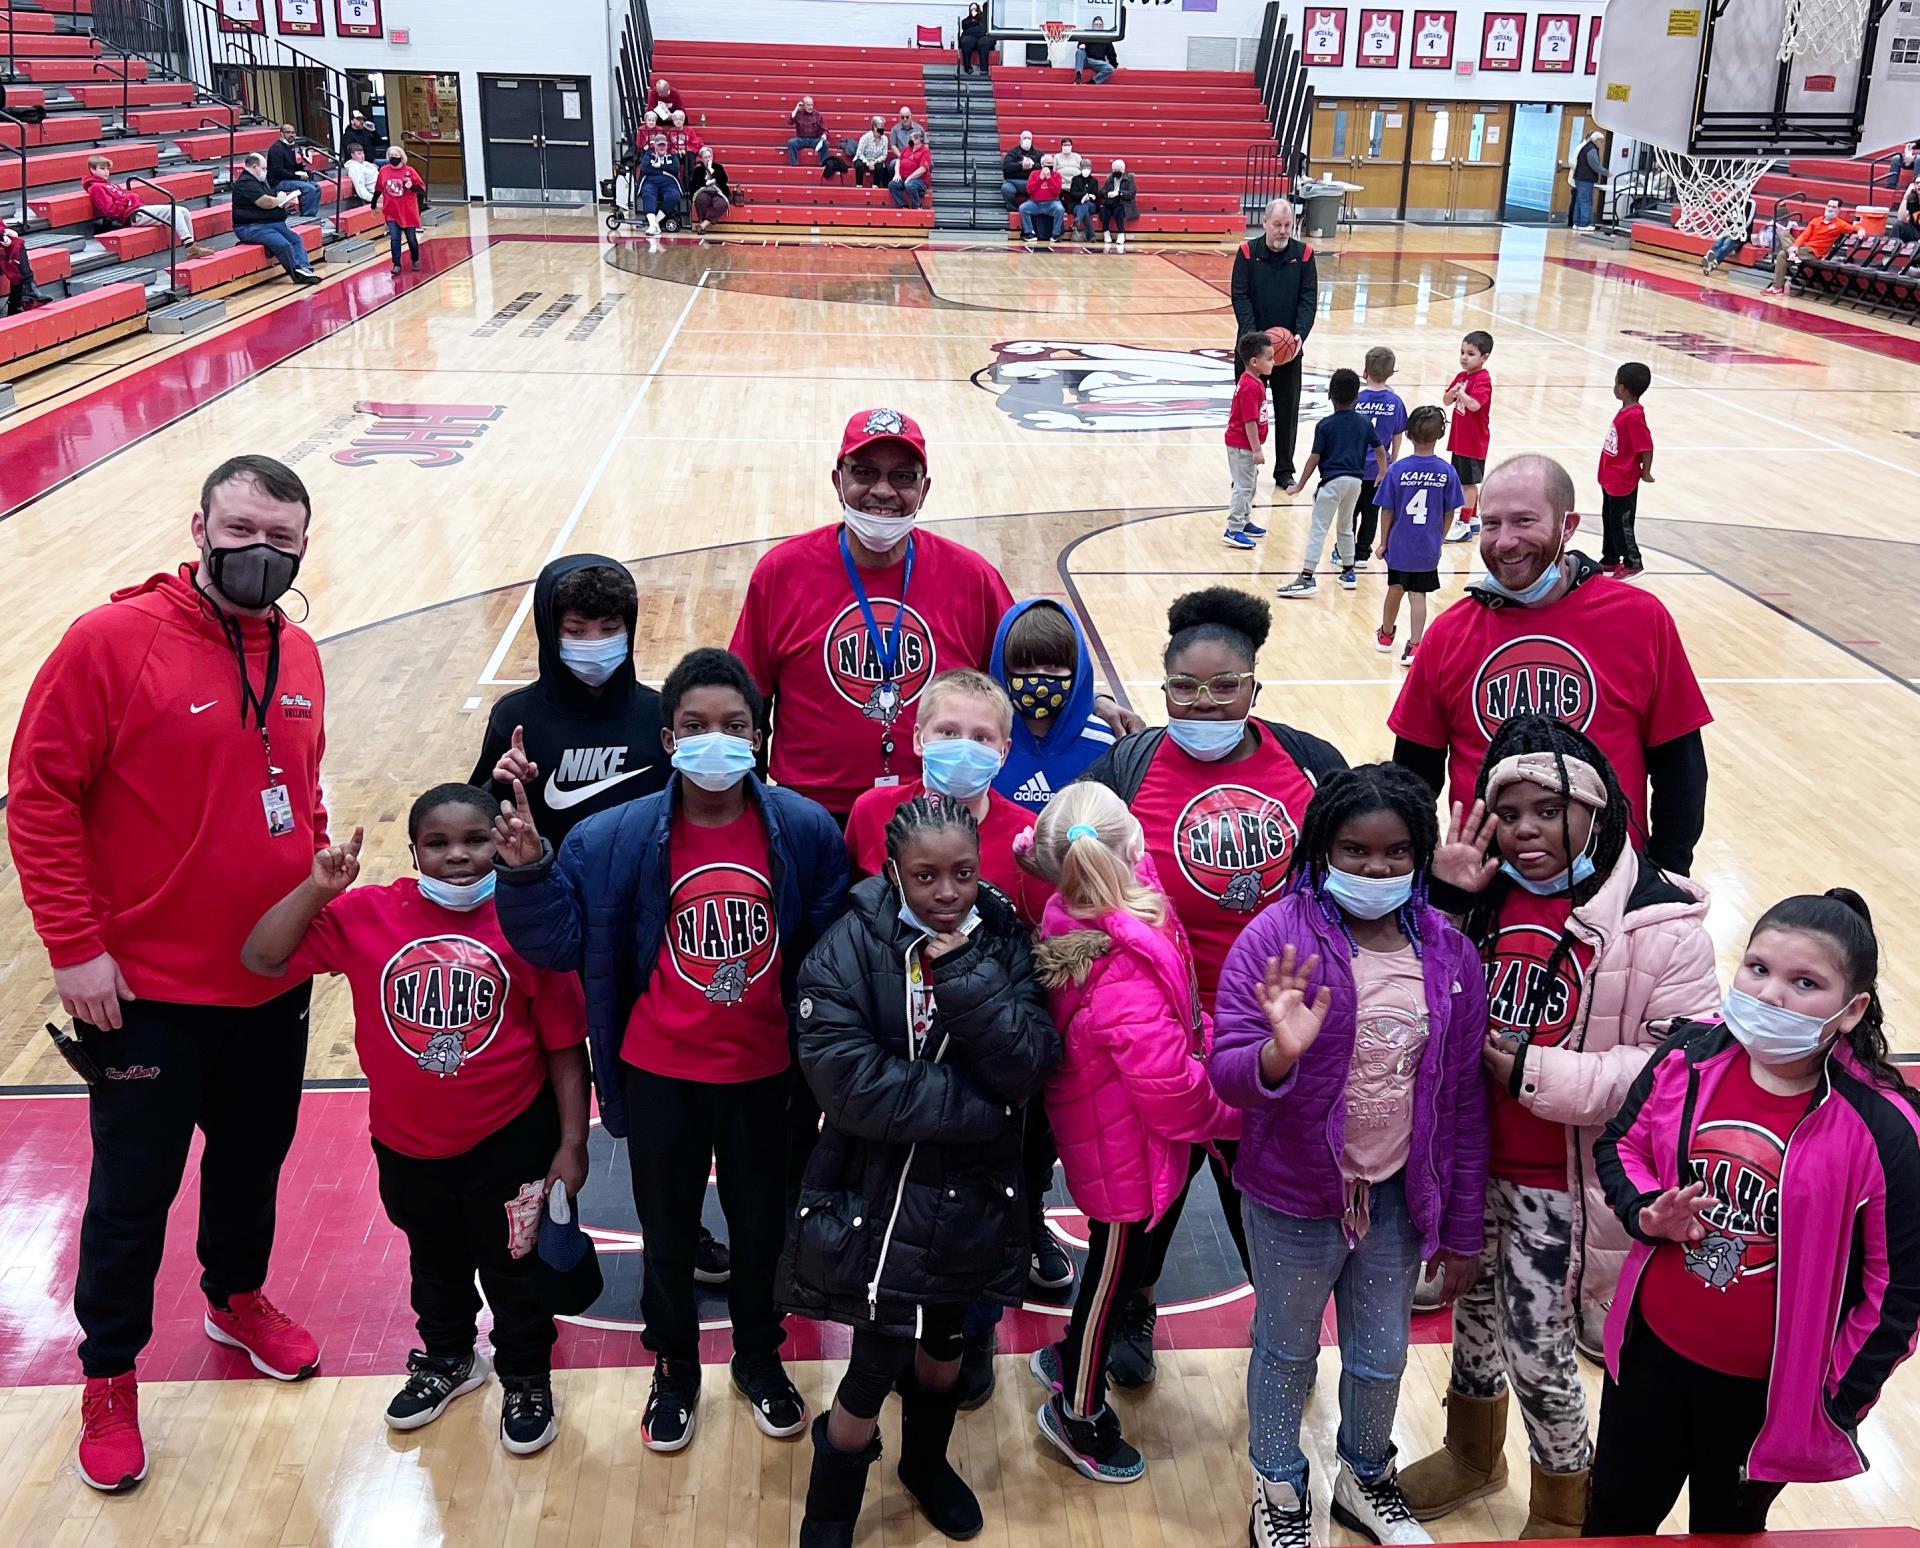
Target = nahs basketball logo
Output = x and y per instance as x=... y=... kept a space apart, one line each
x=1103 y=388
x=1534 y=675
x=443 y=997
x=722 y=932
x=1517 y=979
x=1234 y=844
x=853 y=662
x=1740 y=1164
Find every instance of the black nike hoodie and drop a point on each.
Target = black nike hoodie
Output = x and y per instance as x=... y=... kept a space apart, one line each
x=593 y=749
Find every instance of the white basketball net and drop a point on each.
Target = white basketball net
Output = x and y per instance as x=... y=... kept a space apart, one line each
x=1715 y=191
x=1824 y=30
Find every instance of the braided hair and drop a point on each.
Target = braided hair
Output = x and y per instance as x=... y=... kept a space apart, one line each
x=1841 y=916
x=1608 y=840
x=927 y=812
x=1373 y=787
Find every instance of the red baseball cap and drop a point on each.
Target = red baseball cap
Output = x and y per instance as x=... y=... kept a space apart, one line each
x=882 y=424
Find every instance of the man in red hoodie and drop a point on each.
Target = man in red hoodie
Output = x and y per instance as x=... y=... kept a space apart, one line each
x=114 y=205
x=165 y=791
x=1043 y=198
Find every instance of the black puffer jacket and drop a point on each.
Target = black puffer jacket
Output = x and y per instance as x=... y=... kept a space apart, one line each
x=914 y=1194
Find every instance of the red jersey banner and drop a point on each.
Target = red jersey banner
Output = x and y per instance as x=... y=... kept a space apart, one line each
x=1554 y=40
x=1502 y=35
x=1379 y=46
x=1593 y=45
x=1323 y=35
x=1432 y=40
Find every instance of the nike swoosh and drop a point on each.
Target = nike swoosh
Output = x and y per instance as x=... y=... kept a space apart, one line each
x=559 y=800
x=194 y=709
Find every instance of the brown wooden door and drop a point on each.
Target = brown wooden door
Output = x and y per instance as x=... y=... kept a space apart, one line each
x=1379 y=161
x=1576 y=123
x=1458 y=160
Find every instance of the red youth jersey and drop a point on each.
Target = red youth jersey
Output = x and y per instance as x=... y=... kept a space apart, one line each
x=1606 y=658
x=1251 y=406
x=399 y=189
x=1525 y=1148
x=1006 y=821
x=1221 y=836
x=450 y=1023
x=1627 y=437
x=1713 y=1300
x=1471 y=430
x=712 y=1009
x=802 y=636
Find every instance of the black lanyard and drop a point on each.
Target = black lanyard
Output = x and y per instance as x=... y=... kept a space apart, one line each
x=250 y=702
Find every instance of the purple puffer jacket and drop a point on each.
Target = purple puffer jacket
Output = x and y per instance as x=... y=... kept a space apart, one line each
x=1295 y=1132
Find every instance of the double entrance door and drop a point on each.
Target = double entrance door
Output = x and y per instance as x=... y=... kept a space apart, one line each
x=1425 y=161
x=539 y=139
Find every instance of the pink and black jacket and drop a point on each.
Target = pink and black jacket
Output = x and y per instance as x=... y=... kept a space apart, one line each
x=1848 y=1272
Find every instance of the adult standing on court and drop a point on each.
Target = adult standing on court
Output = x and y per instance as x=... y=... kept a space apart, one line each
x=165 y=791
x=1589 y=169
x=1548 y=631
x=1276 y=291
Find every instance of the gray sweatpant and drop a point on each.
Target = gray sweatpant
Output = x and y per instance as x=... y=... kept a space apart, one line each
x=1333 y=507
x=1246 y=475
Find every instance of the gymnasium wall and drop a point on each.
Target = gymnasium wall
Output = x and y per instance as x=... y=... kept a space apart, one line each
x=1523 y=85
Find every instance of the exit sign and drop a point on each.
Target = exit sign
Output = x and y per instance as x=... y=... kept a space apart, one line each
x=1464 y=67
x=400 y=35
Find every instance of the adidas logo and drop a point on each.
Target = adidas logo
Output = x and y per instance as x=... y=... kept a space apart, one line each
x=1035 y=791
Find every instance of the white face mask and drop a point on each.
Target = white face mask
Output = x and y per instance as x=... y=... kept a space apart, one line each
x=1772 y=1033
x=878 y=533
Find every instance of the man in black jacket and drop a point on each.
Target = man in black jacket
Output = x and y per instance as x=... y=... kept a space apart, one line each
x=359 y=131
x=287 y=171
x=1589 y=169
x=1015 y=167
x=260 y=217
x=1276 y=291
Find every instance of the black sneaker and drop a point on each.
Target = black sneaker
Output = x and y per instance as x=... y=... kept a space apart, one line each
x=527 y=1422
x=1049 y=1268
x=432 y=1384
x=712 y=1263
x=1095 y=1446
x=976 y=1370
x=776 y=1405
x=667 y=1424
x=1130 y=1361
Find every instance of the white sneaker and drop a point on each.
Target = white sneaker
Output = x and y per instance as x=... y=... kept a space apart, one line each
x=1106 y=239
x=653 y=225
x=1282 y=1517
x=1302 y=585
x=1459 y=532
x=1120 y=242
x=1378 y=1510
x=1429 y=1294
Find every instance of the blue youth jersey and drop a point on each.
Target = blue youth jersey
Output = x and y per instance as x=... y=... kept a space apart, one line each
x=1389 y=415
x=1421 y=493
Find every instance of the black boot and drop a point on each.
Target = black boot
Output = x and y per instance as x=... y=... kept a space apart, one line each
x=834 y=1488
x=926 y=1425
x=975 y=1385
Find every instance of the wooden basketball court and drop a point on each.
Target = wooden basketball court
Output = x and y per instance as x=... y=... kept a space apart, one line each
x=535 y=391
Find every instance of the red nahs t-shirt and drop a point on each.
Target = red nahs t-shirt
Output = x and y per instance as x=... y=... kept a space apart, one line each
x=1525 y=1148
x=450 y=1023
x=712 y=1011
x=1627 y=437
x=1222 y=836
x=1470 y=432
x=399 y=189
x=1006 y=821
x=802 y=636
x=1606 y=658
x=1252 y=405
x=1713 y=1300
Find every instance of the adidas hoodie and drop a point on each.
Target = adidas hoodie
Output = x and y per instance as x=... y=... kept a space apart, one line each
x=1039 y=765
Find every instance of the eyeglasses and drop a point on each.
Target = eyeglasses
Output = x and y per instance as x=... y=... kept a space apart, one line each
x=898 y=478
x=1222 y=688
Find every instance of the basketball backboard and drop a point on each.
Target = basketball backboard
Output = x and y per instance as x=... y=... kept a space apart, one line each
x=1706 y=77
x=1089 y=18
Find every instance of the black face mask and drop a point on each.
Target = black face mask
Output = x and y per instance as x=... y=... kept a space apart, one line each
x=253 y=576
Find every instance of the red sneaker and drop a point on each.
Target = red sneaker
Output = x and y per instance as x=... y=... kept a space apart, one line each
x=278 y=1346
x=112 y=1456
x=1383 y=640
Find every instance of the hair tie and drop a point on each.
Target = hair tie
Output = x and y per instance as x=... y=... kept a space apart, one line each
x=1082 y=830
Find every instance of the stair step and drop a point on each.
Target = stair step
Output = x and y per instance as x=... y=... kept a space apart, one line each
x=119 y=273
x=195 y=316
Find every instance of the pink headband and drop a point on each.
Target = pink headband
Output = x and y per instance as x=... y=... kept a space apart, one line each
x=1543 y=769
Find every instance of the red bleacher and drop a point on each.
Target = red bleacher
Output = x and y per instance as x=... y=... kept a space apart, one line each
x=62 y=129
x=69 y=166
x=70 y=319
x=199 y=275
x=81 y=69
x=26 y=21
x=64 y=209
x=93 y=94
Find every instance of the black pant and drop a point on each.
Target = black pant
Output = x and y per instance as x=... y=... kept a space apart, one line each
x=802 y=1123
x=1669 y=1422
x=452 y=1211
x=876 y=1360
x=26 y=292
x=412 y=233
x=677 y=1127
x=232 y=1072
x=1369 y=522
x=1121 y=1260
x=1284 y=384
x=1617 y=542
x=1222 y=1169
x=974 y=48
x=879 y=174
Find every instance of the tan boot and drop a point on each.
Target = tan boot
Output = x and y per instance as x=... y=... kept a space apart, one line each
x=1469 y=1466
x=1559 y=1504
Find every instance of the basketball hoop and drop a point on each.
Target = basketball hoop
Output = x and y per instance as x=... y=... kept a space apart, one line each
x=1823 y=30
x=1056 y=33
x=1715 y=191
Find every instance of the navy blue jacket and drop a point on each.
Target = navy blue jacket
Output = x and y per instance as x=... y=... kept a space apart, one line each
x=599 y=908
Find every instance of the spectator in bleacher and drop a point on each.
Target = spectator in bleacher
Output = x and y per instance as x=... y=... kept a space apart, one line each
x=663 y=102
x=1117 y=206
x=1905 y=225
x=712 y=196
x=1589 y=169
x=1815 y=241
x=809 y=132
x=260 y=217
x=115 y=206
x=288 y=172
x=1095 y=55
x=400 y=192
x=1906 y=164
x=1020 y=163
x=686 y=145
x=873 y=157
x=1079 y=184
x=361 y=172
x=659 y=175
x=360 y=132
x=904 y=129
x=1276 y=291
x=975 y=41
x=913 y=172
x=1043 y=198
x=16 y=273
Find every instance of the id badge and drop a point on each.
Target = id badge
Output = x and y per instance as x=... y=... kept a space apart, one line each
x=279 y=809
x=885 y=779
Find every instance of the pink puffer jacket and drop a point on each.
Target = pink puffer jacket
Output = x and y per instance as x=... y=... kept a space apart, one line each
x=1653 y=963
x=1132 y=1094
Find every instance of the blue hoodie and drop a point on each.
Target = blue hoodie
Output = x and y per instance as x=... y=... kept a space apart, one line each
x=1038 y=766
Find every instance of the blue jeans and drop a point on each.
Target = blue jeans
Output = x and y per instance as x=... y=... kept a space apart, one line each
x=274 y=236
x=1083 y=212
x=799 y=143
x=1101 y=69
x=395 y=231
x=1013 y=192
x=1053 y=209
x=309 y=193
x=659 y=193
x=1726 y=247
x=907 y=194
x=1583 y=204
x=1297 y=1264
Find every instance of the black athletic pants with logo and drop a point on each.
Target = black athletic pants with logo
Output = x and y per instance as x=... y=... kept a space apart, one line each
x=234 y=1073
x=453 y=1212
x=677 y=1129
x=1669 y=1422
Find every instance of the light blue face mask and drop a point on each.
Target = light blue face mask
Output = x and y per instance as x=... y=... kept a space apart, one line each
x=594 y=661
x=1367 y=897
x=461 y=897
x=1207 y=740
x=1559 y=882
x=959 y=767
x=714 y=760
x=914 y=922
x=1537 y=592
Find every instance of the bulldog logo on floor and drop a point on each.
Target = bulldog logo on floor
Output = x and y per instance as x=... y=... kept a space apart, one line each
x=1100 y=388
x=443 y=997
x=853 y=664
x=722 y=933
x=1234 y=844
x=1534 y=675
